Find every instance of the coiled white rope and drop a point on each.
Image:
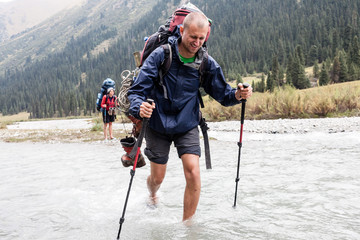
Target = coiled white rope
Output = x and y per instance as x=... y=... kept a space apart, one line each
x=127 y=79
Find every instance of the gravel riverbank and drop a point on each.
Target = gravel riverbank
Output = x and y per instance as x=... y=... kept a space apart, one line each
x=79 y=130
x=284 y=126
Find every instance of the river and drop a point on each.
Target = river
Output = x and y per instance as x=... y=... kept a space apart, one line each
x=292 y=186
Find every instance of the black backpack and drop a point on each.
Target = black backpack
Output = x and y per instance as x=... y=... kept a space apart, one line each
x=160 y=38
x=169 y=29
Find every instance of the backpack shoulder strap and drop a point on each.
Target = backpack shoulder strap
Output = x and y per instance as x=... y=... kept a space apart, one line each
x=203 y=68
x=203 y=125
x=202 y=73
x=165 y=66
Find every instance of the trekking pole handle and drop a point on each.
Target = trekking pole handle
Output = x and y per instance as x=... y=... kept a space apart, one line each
x=150 y=101
x=243 y=101
x=245 y=85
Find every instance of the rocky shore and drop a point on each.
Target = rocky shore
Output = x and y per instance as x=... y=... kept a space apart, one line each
x=285 y=126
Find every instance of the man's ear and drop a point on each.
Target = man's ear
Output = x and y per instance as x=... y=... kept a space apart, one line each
x=181 y=30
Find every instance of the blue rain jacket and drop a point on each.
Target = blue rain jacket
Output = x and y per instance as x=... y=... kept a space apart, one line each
x=180 y=112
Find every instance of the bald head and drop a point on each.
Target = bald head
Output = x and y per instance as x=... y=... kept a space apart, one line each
x=193 y=34
x=197 y=18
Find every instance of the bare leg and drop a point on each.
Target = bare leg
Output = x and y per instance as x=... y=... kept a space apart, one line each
x=105 y=133
x=193 y=184
x=110 y=130
x=154 y=180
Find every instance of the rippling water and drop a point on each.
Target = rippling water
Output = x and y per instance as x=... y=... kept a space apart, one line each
x=304 y=186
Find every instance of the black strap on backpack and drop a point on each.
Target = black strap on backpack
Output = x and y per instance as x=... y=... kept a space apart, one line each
x=204 y=127
x=164 y=68
x=202 y=71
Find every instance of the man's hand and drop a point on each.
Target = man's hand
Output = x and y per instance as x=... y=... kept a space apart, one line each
x=243 y=93
x=146 y=109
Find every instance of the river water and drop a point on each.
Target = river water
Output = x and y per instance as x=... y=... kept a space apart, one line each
x=292 y=186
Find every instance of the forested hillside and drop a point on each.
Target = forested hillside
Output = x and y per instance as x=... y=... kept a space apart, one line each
x=277 y=37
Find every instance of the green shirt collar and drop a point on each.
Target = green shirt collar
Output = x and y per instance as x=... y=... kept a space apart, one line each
x=187 y=60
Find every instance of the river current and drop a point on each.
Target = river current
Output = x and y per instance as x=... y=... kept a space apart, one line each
x=292 y=186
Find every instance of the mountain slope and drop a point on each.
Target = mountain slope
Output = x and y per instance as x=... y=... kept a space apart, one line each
x=98 y=42
x=18 y=15
x=52 y=35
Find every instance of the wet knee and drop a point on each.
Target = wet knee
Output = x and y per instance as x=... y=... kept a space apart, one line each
x=157 y=180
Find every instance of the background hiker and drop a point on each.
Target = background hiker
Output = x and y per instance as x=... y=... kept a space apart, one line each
x=175 y=117
x=109 y=115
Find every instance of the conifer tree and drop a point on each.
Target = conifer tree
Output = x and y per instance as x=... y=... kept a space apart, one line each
x=324 y=76
x=270 y=84
x=354 y=52
x=275 y=71
x=313 y=55
x=238 y=79
x=335 y=42
x=316 y=69
x=289 y=70
x=343 y=75
x=262 y=83
x=335 y=72
x=281 y=76
x=300 y=55
x=347 y=37
x=303 y=81
x=296 y=71
x=353 y=72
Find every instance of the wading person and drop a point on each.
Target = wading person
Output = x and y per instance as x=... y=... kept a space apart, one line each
x=175 y=117
x=108 y=104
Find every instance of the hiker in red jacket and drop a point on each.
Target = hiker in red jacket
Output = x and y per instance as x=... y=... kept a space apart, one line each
x=109 y=115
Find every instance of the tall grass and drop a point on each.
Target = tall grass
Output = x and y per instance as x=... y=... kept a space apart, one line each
x=98 y=124
x=337 y=100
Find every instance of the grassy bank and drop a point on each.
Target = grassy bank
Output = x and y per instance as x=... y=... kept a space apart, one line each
x=339 y=100
x=5 y=120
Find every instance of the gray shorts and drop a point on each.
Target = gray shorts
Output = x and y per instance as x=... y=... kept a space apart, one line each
x=158 y=144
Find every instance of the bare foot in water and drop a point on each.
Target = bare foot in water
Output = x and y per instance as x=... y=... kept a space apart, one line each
x=188 y=222
x=152 y=202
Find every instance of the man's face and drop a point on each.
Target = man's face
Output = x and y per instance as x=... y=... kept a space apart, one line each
x=193 y=38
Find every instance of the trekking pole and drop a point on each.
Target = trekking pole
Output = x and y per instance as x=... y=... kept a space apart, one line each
x=104 y=109
x=132 y=171
x=243 y=102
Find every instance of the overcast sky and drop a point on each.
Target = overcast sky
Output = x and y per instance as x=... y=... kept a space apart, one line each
x=6 y=0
